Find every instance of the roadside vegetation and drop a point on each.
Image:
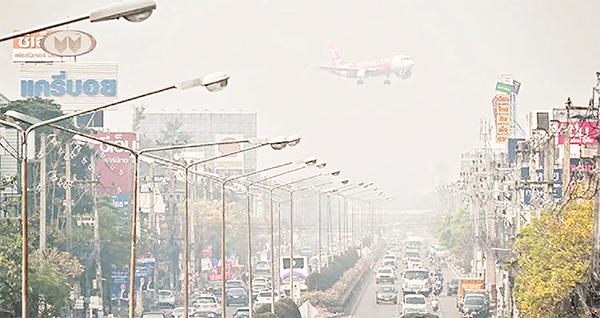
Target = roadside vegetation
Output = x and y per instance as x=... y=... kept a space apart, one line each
x=553 y=262
x=455 y=235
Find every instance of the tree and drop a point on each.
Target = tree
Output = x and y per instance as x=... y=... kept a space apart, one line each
x=48 y=277
x=455 y=235
x=138 y=116
x=553 y=257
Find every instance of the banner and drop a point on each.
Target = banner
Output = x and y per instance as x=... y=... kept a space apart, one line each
x=501 y=105
x=115 y=166
x=144 y=274
x=120 y=283
x=144 y=278
x=582 y=133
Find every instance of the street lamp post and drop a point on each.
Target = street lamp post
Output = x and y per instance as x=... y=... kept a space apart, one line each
x=133 y=11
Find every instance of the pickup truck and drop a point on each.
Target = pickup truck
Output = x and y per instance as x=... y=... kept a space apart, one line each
x=468 y=284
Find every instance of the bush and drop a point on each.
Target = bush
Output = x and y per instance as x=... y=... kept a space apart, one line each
x=331 y=274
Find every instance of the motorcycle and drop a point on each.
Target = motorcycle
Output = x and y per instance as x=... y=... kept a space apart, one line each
x=437 y=288
x=435 y=306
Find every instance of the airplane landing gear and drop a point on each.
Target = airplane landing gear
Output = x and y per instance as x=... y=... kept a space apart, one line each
x=387 y=82
x=360 y=82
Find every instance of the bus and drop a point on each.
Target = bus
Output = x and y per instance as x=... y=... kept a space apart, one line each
x=301 y=268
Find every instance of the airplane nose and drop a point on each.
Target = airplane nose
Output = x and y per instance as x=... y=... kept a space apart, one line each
x=411 y=63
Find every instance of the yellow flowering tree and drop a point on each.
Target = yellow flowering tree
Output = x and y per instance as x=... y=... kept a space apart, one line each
x=553 y=257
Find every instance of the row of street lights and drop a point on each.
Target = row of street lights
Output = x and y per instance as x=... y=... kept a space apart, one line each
x=213 y=82
x=137 y=11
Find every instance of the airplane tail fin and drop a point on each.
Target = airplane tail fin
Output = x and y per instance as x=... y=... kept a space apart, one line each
x=336 y=57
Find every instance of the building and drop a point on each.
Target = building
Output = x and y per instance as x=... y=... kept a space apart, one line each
x=157 y=129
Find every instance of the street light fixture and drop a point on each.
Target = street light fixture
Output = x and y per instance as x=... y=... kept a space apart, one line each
x=132 y=11
x=34 y=124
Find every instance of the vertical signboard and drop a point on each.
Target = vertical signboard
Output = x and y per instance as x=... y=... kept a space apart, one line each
x=144 y=278
x=501 y=105
x=144 y=274
x=232 y=162
x=120 y=283
x=114 y=167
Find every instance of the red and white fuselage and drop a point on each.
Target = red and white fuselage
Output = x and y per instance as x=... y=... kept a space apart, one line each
x=400 y=65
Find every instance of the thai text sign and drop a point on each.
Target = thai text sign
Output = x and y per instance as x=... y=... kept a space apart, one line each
x=115 y=166
x=73 y=86
x=28 y=48
x=501 y=105
x=581 y=133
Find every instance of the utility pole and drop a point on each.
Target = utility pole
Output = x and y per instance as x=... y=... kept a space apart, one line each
x=549 y=167
x=566 y=165
x=96 y=227
x=43 y=208
x=68 y=193
x=319 y=236
x=339 y=215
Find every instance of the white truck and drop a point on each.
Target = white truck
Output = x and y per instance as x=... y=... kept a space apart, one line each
x=416 y=281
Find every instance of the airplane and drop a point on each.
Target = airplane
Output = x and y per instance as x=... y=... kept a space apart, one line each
x=400 y=65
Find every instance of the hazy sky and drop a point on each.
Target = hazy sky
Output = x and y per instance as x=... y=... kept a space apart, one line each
x=398 y=136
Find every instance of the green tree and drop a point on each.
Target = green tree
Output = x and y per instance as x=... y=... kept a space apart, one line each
x=48 y=276
x=553 y=257
x=456 y=236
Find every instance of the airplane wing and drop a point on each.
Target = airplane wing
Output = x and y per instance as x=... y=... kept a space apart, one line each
x=340 y=68
x=355 y=71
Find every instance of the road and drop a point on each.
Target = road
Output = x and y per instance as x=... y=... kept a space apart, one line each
x=367 y=308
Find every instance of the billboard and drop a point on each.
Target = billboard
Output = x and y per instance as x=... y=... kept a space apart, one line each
x=114 y=167
x=232 y=162
x=144 y=278
x=501 y=106
x=581 y=133
x=73 y=86
x=120 y=283
x=28 y=48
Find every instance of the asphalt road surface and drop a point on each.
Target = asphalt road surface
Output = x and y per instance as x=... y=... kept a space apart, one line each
x=367 y=307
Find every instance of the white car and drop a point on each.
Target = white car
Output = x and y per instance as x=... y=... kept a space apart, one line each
x=389 y=257
x=414 y=263
x=385 y=275
x=265 y=296
x=207 y=302
x=260 y=281
x=414 y=303
x=166 y=298
x=411 y=310
x=179 y=312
